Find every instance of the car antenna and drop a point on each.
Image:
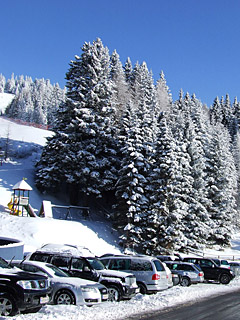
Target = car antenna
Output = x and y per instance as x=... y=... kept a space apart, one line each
x=10 y=262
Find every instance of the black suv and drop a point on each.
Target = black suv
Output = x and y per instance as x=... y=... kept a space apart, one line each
x=121 y=285
x=21 y=291
x=211 y=270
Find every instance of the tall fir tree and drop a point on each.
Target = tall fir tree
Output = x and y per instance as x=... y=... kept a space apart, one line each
x=90 y=164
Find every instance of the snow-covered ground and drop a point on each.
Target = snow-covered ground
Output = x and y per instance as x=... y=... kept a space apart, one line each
x=93 y=233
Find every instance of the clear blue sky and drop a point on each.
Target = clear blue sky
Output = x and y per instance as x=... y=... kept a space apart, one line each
x=195 y=42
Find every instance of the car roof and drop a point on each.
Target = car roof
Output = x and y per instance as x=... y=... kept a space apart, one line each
x=123 y=256
x=180 y=262
x=66 y=249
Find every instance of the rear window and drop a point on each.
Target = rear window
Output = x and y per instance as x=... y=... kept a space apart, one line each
x=141 y=265
x=159 y=266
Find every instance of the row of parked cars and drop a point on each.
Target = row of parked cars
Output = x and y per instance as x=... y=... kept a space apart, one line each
x=65 y=274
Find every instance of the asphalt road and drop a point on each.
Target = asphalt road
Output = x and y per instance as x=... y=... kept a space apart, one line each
x=221 y=307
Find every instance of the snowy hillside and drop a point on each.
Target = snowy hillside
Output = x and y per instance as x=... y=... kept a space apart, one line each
x=5 y=100
x=92 y=233
x=31 y=139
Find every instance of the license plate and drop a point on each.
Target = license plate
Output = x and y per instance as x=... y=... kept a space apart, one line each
x=44 y=300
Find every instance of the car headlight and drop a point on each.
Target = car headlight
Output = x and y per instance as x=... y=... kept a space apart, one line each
x=34 y=284
x=89 y=289
x=26 y=284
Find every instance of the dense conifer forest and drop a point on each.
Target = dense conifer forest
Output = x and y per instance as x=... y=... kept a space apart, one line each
x=34 y=101
x=167 y=171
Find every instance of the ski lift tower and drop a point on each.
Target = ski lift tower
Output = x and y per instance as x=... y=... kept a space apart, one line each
x=21 y=197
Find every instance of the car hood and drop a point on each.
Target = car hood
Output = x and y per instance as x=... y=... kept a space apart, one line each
x=19 y=274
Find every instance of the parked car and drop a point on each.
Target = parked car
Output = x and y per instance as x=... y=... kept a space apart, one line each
x=168 y=257
x=189 y=272
x=149 y=271
x=173 y=277
x=235 y=267
x=211 y=269
x=66 y=289
x=121 y=285
x=21 y=291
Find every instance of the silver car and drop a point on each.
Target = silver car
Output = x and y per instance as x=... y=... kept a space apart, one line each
x=189 y=272
x=66 y=289
x=235 y=267
x=149 y=271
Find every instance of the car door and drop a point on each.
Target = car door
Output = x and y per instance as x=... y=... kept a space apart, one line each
x=81 y=268
x=209 y=268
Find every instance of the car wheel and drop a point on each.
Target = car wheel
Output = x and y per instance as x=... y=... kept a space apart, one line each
x=225 y=279
x=32 y=310
x=7 y=306
x=185 y=282
x=114 y=293
x=142 y=288
x=64 y=297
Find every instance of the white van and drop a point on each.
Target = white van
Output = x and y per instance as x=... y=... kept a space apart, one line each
x=149 y=271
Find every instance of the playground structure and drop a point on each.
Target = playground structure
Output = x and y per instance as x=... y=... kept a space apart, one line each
x=19 y=204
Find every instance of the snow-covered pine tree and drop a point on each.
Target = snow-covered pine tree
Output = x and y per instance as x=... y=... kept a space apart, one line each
x=10 y=85
x=165 y=228
x=128 y=70
x=163 y=95
x=90 y=154
x=215 y=111
x=2 y=83
x=189 y=185
x=55 y=162
x=132 y=203
x=34 y=101
x=221 y=186
x=121 y=95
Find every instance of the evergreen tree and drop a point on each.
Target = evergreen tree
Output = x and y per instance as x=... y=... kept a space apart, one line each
x=221 y=186
x=163 y=95
x=121 y=95
x=91 y=155
x=2 y=83
x=132 y=201
x=165 y=231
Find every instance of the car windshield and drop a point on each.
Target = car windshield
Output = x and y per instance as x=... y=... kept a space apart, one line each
x=54 y=271
x=96 y=264
x=4 y=264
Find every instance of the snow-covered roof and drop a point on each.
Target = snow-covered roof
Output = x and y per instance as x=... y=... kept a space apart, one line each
x=22 y=185
x=67 y=249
